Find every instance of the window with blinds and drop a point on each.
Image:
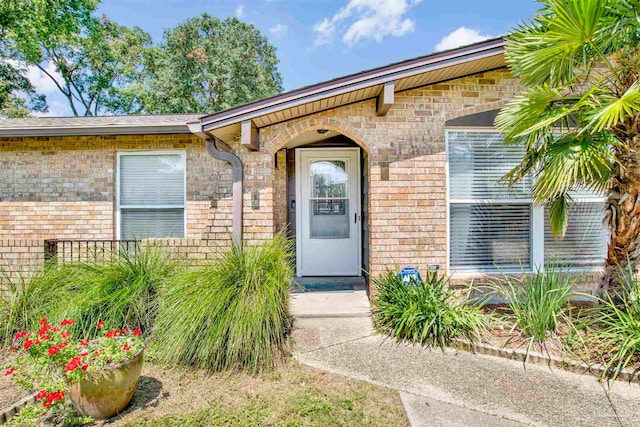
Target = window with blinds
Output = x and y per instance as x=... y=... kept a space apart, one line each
x=491 y=225
x=487 y=235
x=585 y=240
x=477 y=163
x=151 y=194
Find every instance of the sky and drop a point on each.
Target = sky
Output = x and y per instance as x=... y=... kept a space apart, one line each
x=318 y=40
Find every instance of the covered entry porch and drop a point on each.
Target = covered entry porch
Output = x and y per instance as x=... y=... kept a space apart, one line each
x=326 y=203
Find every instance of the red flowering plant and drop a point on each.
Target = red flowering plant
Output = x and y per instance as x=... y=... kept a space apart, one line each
x=48 y=360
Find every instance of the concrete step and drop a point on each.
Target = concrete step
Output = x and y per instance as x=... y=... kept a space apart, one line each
x=330 y=304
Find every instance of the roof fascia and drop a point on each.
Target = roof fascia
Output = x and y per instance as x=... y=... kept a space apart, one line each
x=356 y=82
x=94 y=130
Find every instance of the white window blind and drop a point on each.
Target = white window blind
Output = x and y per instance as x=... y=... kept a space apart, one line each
x=151 y=195
x=490 y=235
x=585 y=240
x=489 y=223
x=477 y=163
x=492 y=226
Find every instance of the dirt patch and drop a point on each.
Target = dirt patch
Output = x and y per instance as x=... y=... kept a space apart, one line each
x=506 y=338
x=10 y=393
x=293 y=394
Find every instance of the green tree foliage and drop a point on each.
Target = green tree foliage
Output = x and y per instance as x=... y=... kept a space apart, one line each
x=580 y=118
x=94 y=59
x=17 y=96
x=206 y=65
x=203 y=65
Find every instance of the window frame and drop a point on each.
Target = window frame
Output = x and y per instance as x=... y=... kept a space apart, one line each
x=119 y=207
x=536 y=233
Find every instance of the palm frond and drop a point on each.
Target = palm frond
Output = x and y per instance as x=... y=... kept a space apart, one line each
x=574 y=161
x=558 y=214
x=525 y=110
x=563 y=41
x=616 y=110
x=533 y=158
x=623 y=22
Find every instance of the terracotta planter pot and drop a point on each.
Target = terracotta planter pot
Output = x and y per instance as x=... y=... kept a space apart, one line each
x=106 y=393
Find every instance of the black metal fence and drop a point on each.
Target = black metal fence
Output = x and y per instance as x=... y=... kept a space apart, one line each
x=63 y=250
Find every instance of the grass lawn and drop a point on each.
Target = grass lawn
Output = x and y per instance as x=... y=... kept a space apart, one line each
x=292 y=395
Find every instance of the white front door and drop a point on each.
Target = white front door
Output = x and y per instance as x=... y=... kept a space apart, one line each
x=328 y=213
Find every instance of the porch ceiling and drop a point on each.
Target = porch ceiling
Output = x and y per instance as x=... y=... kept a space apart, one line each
x=422 y=71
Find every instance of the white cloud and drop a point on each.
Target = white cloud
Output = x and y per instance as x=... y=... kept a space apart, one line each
x=461 y=37
x=366 y=19
x=56 y=109
x=239 y=11
x=278 y=30
x=41 y=82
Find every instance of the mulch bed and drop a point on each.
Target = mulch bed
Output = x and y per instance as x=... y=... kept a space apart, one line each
x=564 y=344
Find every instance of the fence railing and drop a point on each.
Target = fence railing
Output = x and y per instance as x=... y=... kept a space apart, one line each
x=68 y=250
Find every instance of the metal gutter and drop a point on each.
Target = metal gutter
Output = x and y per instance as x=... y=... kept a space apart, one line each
x=354 y=82
x=236 y=164
x=93 y=130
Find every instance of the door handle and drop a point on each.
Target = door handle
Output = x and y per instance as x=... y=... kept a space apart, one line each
x=355 y=218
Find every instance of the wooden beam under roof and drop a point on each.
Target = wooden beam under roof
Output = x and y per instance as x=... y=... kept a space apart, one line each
x=385 y=99
x=249 y=135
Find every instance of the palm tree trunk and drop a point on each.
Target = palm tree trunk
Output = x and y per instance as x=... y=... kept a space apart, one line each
x=623 y=211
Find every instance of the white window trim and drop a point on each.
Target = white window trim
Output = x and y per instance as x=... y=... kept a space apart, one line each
x=537 y=221
x=119 y=207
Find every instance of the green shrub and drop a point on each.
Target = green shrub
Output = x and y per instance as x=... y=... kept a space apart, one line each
x=123 y=291
x=232 y=314
x=25 y=300
x=538 y=302
x=615 y=327
x=428 y=313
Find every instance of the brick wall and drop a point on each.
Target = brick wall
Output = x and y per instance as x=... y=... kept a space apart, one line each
x=406 y=170
x=280 y=188
x=64 y=187
x=20 y=258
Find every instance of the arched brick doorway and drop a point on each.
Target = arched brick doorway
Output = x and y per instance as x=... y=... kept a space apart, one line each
x=301 y=206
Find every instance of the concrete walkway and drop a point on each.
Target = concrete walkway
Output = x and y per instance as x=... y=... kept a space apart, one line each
x=329 y=297
x=458 y=388
x=330 y=304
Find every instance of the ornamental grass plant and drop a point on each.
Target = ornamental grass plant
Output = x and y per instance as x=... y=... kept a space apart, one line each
x=614 y=328
x=233 y=314
x=122 y=291
x=428 y=312
x=538 y=302
x=25 y=300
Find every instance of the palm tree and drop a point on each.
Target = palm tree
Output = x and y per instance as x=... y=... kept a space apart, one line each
x=579 y=121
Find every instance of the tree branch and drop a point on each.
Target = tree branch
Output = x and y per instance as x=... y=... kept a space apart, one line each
x=52 y=78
